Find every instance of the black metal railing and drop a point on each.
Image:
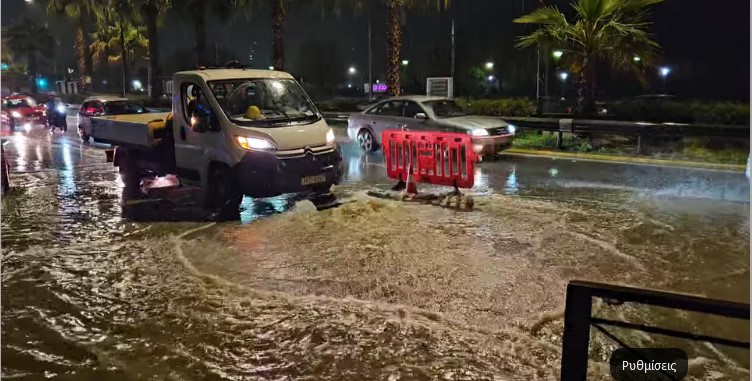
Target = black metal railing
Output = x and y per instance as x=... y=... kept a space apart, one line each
x=578 y=319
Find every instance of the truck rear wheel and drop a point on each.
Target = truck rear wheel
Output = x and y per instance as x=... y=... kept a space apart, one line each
x=129 y=173
x=223 y=191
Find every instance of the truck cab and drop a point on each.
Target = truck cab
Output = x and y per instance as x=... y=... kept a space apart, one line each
x=232 y=132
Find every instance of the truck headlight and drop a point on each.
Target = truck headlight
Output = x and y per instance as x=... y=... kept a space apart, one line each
x=511 y=129
x=479 y=132
x=253 y=143
x=15 y=114
x=330 y=136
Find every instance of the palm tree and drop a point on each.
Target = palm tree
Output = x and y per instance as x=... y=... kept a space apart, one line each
x=118 y=40
x=31 y=41
x=197 y=10
x=604 y=31
x=81 y=12
x=152 y=12
x=395 y=12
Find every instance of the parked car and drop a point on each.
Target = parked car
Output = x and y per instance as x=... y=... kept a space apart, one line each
x=22 y=111
x=423 y=113
x=102 y=106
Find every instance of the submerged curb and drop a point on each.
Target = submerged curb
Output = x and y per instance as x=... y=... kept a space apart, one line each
x=625 y=159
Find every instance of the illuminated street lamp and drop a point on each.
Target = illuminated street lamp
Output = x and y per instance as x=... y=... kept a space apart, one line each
x=636 y=58
x=405 y=62
x=563 y=76
x=664 y=71
x=491 y=78
x=271 y=67
x=489 y=65
x=558 y=54
x=352 y=70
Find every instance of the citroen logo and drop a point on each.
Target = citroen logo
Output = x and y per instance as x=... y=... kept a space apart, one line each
x=309 y=152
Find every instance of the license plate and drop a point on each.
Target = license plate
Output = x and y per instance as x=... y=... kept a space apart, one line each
x=312 y=180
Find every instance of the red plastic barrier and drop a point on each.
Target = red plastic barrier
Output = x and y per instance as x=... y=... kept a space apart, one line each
x=437 y=157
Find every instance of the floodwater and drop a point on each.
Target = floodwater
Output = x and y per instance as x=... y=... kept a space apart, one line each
x=374 y=289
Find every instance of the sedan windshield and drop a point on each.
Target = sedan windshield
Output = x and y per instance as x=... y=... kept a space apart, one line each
x=122 y=107
x=263 y=102
x=445 y=108
x=20 y=102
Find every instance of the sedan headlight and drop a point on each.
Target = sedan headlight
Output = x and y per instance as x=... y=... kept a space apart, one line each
x=511 y=129
x=15 y=114
x=253 y=143
x=330 y=136
x=479 y=132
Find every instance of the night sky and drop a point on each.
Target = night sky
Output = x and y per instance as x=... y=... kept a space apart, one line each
x=705 y=44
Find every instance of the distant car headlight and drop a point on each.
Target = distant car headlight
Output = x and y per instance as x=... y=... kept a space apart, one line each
x=330 y=136
x=479 y=132
x=253 y=143
x=15 y=114
x=511 y=129
x=60 y=108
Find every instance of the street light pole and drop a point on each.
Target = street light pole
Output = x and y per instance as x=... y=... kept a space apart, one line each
x=370 y=59
x=537 y=77
x=453 y=50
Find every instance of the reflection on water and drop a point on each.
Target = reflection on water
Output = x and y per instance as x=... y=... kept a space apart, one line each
x=511 y=184
x=88 y=295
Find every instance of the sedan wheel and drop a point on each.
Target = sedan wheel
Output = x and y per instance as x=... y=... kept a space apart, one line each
x=365 y=140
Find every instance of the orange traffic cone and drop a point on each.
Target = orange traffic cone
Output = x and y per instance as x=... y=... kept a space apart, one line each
x=411 y=187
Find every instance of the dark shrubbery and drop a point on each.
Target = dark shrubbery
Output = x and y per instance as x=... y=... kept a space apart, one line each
x=699 y=112
x=499 y=107
x=342 y=104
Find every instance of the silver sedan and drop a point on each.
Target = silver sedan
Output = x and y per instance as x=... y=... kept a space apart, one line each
x=422 y=113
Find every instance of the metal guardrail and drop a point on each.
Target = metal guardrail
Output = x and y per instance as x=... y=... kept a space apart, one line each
x=612 y=127
x=630 y=128
x=578 y=319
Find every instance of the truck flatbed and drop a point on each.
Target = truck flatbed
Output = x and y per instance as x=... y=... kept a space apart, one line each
x=133 y=130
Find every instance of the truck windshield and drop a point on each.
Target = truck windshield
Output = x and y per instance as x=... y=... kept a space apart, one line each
x=263 y=102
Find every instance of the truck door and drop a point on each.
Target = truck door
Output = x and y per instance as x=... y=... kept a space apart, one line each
x=191 y=142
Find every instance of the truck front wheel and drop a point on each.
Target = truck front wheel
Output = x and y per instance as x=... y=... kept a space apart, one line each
x=223 y=191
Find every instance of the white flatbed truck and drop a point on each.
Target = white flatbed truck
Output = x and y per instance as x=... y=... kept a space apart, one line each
x=231 y=132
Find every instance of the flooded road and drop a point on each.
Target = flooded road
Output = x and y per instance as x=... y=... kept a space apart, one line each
x=370 y=290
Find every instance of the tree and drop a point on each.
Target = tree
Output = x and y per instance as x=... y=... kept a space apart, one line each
x=197 y=11
x=118 y=40
x=32 y=42
x=395 y=15
x=152 y=11
x=81 y=12
x=604 y=31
